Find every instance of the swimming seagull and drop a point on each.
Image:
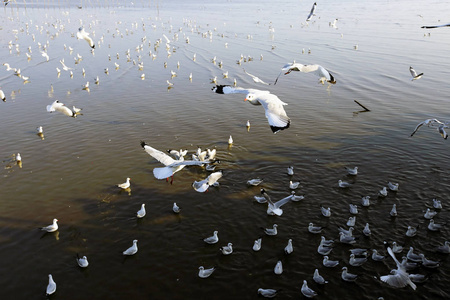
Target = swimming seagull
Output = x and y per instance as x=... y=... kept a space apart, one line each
x=329 y=263
x=414 y=74
x=51 y=228
x=254 y=182
x=82 y=261
x=393 y=186
x=312 y=12
x=320 y=71
x=205 y=273
x=290 y=170
x=278 y=268
x=228 y=249
x=125 y=185
x=271 y=231
x=58 y=106
x=344 y=184
x=393 y=211
x=202 y=186
x=326 y=212
x=445 y=248
x=81 y=34
x=132 y=250
x=318 y=278
x=376 y=256
x=399 y=277
x=293 y=185
x=141 y=213
x=268 y=293
x=51 y=287
x=306 y=291
x=353 y=209
x=411 y=232
x=365 y=201
x=428 y=263
x=383 y=192
x=256 y=79
x=433 y=226
x=396 y=248
x=171 y=166
x=366 y=230
x=273 y=106
x=176 y=209
x=257 y=244
x=348 y=276
x=314 y=229
x=413 y=256
x=212 y=239
x=289 y=248
x=437 y=203
x=356 y=261
x=274 y=208
x=352 y=171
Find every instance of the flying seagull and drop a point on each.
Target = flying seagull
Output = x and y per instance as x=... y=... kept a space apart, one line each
x=256 y=79
x=429 y=122
x=414 y=74
x=273 y=106
x=58 y=106
x=312 y=12
x=83 y=35
x=436 y=26
x=320 y=71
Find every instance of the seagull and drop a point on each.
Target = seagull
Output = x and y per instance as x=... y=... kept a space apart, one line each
x=125 y=185
x=393 y=186
x=320 y=71
x=293 y=185
x=413 y=256
x=396 y=248
x=348 y=232
x=58 y=106
x=343 y=238
x=275 y=208
x=254 y=182
x=44 y=54
x=383 y=192
x=437 y=204
x=344 y=184
x=329 y=263
x=365 y=201
x=230 y=140
x=376 y=256
x=296 y=198
x=202 y=186
x=318 y=278
x=427 y=122
x=141 y=213
x=2 y=95
x=175 y=208
x=257 y=244
x=326 y=212
x=256 y=79
x=51 y=287
x=212 y=239
x=289 y=248
x=306 y=291
x=171 y=166
x=82 y=261
x=399 y=277
x=278 y=268
x=393 y=212
x=273 y=106
x=353 y=209
x=412 y=231
x=290 y=170
x=18 y=158
x=268 y=293
x=352 y=171
x=51 y=228
x=271 y=231
x=427 y=263
x=205 y=273
x=314 y=229
x=132 y=250
x=414 y=74
x=348 y=276
x=81 y=34
x=312 y=12
x=65 y=68
x=366 y=230
x=356 y=261
x=434 y=227
x=226 y=250
x=445 y=248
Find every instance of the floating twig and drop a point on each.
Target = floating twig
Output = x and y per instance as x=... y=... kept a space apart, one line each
x=365 y=108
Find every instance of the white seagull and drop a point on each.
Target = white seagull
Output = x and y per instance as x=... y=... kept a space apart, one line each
x=81 y=34
x=257 y=244
x=256 y=79
x=268 y=293
x=227 y=250
x=427 y=122
x=58 y=106
x=51 y=287
x=306 y=291
x=289 y=248
x=141 y=213
x=176 y=209
x=320 y=71
x=414 y=74
x=312 y=12
x=82 y=261
x=125 y=185
x=51 y=228
x=399 y=277
x=318 y=278
x=278 y=268
x=273 y=106
x=205 y=273
x=132 y=250
x=202 y=186
x=274 y=208
x=212 y=239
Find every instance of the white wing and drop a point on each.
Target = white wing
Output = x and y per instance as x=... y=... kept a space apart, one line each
x=202 y=186
x=413 y=72
x=228 y=89
x=256 y=79
x=275 y=113
x=158 y=155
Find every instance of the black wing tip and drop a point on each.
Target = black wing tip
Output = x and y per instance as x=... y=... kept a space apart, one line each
x=143 y=144
x=93 y=47
x=219 y=89
x=276 y=129
x=332 y=80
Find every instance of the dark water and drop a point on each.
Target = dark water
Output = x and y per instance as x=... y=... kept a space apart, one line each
x=72 y=173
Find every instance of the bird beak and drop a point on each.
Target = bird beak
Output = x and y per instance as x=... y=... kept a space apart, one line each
x=245 y=99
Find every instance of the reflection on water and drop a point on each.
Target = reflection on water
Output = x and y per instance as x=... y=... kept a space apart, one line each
x=73 y=173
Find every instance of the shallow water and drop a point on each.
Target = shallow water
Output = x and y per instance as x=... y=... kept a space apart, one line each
x=72 y=173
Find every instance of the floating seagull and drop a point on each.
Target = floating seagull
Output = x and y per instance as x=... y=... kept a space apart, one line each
x=273 y=106
x=352 y=171
x=353 y=209
x=326 y=212
x=365 y=201
x=306 y=291
x=433 y=226
x=141 y=213
x=202 y=186
x=81 y=34
x=445 y=248
x=51 y=287
x=437 y=204
x=274 y=208
x=230 y=140
x=413 y=256
x=2 y=95
x=350 y=222
x=125 y=185
x=296 y=198
x=383 y=192
x=348 y=276
x=312 y=12
x=257 y=244
x=393 y=211
x=268 y=293
x=212 y=239
x=44 y=54
x=289 y=248
x=396 y=248
x=254 y=182
x=290 y=170
x=344 y=184
x=343 y=238
x=393 y=186
x=428 y=263
x=318 y=278
x=132 y=250
x=228 y=249
x=411 y=232
x=314 y=229
x=65 y=68
x=414 y=74
x=18 y=158
x=278 y=268
x=320 y=71
x=366 y=230
x=376 y=256
x=176 y=209
x=356 y=261
x=256 y=79
x=418 y=278
x=171 y=165
x=51 y=228
x=271 y=231
x=205 y=273
x=82 y=261
x=399 y=277
x=329 y=263
x=58 y=106
x=293 y=185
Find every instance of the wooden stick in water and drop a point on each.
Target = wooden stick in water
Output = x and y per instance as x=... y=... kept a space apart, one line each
x=365 y=108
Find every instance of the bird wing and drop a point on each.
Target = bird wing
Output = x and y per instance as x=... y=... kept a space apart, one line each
x=177 y=163
x=413 y=72
x=213 y=177
x=158 y=155
x=201 y=186
x=283 y=201
x=227 y=89
x=64 y=109
x=417 y=127
x=275 y=113
x=255 y=78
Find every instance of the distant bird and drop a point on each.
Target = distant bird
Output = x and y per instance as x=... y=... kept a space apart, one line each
x=230 y=140
x=257 y=244
x=212 y=239
x=176 y=209
x=396 y=248
x=343 y=238
x=289 y=248
x=383 y=192
x=326 y=212
x=273 y=106
x=445 y=248
x=352 y=171
x=399 y=277
x=411 y=232
x=267 y=293
x=312 y=12
x=83 y=35
x=290 y=170
x=125 y=185
x=51 y=228
x=365 y=201
x=318 y=70
x=366 y=230
x=314 y=229
x=254 y=182
x=376 y=256
x=18 y=158
x=356 y=261
x=433 y=226
x=227 y=250
x=329 y=263
x=306 y=291
x=44 y=54
x=278 y=268
x=393 y=211
x=274 y=208
x=293 y=185
x=51 y=287
x=82 y=261
x=344 y=184
x=427 y=122
x=2 y=95
x=203 y=185
x=437 y=203
x=271 y=231
x=413 y=256
x=442 y=131
x=414 y=74
x=256 y=79
x=318 y=278
x=353 y=209
x=393 y=186
x=58 y=106
x=141 y=213
x=427 y=263
x=348 y=276
x=205 y=273
x=132 y=250
x=296 y=198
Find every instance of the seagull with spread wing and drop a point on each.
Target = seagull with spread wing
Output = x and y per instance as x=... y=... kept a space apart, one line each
x=320 y=71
